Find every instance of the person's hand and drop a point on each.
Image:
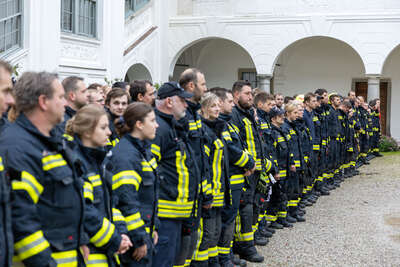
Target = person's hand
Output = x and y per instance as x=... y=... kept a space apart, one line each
x=250 y=172
x=140 y=252
x=85 y=251
x=155 y=237
x=207 y=207
x=125 y=244
x=292 y=168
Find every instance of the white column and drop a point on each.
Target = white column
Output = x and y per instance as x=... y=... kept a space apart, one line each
x=373 y=88
x=264 y=82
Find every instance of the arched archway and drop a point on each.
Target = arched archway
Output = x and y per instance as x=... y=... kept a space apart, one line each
x=391 y=74
x=138 y=72
x=222 y=61
x=317 y=62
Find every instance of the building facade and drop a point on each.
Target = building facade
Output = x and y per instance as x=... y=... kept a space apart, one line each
x=288 y=46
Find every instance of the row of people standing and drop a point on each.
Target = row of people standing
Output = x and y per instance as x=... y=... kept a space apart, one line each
x=198 y=178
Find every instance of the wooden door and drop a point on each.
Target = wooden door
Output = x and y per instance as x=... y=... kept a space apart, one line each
x=383 y=87
x=362 y=90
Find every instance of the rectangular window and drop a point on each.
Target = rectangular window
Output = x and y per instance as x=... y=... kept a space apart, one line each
x=249 y=75
x=10 y=25
x=131 y=6
x=79 y=17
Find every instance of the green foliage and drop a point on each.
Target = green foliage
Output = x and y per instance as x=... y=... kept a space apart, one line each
x=111 y=82
x=387 y=144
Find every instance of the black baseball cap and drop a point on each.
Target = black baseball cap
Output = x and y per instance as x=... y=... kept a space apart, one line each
x=172 y=89
x=276 y=112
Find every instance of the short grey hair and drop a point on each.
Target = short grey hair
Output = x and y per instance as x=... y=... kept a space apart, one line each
x=30 y=86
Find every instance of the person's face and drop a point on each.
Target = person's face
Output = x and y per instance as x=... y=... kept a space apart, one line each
x=267 y=106
x=81 y=95
x=313 y=103
x=101 y=133
x=150 y=95
x=292 y=116
x=356 y=103
x=227 y=104
x=200 y=87
x=325 y=98
x=56 y=104
x=279 y=100
x=336 y=101
x=118 y=105
x=6 y=97
x=211 y=112
x=361 y=99
x=300 y=112
x=149 y=126
x=245 y=97
x=96 y=97
x=352 y=95
x=179 y=106
x=378 y=104
x=279 y=119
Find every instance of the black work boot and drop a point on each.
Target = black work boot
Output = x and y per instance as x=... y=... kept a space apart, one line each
x=253 y=258
x=290 y=219
x=265 y=233
x=276 y=225
x=260 y=240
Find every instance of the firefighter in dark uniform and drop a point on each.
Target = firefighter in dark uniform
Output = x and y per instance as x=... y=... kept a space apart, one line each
x=134 y=182
x=193 y=81
x=90 y=132
x=376 y=126
x=241 y=165
x=243 y=120
x=296 y=163
x=281 y=152
x=334 y=140
x=6 y=238
x=177 y=169
x=363 y=133
x=48 y=199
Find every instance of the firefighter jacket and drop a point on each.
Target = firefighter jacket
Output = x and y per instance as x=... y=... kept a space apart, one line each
x=297 y=158
x=6 y=237
x=376 y=126
x=104 y=235
x=239 y=159
x=247 y=127
x=60 y=128
x=322 y=114
x=217 y=152
x=114 y=138
x=333 y=124
x=134 y=183
x=198 y=143
x=282 y=152
x=314 y=125
x=305 y=139
x=342 y=125
x=265 y=131
x=177 y=169
x=47 y=196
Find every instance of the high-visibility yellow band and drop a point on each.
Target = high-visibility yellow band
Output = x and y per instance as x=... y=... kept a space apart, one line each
x=104 y=235
x=130 y=177
x=31 y=245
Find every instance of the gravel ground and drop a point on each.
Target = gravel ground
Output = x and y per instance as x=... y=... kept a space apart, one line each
x=358 y=224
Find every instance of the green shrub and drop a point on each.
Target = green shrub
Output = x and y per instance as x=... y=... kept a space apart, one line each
x=387 y=144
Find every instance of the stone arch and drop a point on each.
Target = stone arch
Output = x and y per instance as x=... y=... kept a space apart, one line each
x=138 y=71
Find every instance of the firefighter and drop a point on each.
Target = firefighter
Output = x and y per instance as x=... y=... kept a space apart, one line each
x=134 y=182
x=6 y=101
x=376 y=126
x=48 y=205
x=334 y=131
x=89 y=128
x=177 y=169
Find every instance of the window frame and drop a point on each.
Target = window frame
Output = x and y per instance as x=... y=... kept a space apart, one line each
x=241 y=72
x=77 y=15
x=132 y=10
x=18 y=45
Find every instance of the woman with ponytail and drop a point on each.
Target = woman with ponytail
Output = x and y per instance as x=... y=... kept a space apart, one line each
x=134 y=182
x=90 y=132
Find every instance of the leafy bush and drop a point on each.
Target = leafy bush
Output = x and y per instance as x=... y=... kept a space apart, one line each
x=387 y=144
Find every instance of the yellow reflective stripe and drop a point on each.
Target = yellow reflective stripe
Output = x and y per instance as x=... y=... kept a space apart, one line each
x=104 y=235
x=237 y=179
x=315 y=118
x=243 y=159
x=174 y=209
x=68 y=137
x=216 y=166
x=288 y=137
x=1 y=164
x=251 y=147
x=282 y=214
x=292 y=203
x=95 y=180
x=146 y=166
x=222 y=250
x=97 y=260
x=207 y=150
x=292 y=132
x=281 y=139
x=117 y=215
x=226 y=136
x=316 y=147
x=53 y=161
x=282 y=173
x=213 y=252
x=31 y=245
x=264 y=126
x=30 y=185
x=113 y=143
x=126 y=178
x=268 y=165
x=183 y=177
x=134 y=221
x=199 y=255
x=153 y=163
x=155 y=149
x=88 y=191
x=66 y=258
x=198 y=122
x=297 y=163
